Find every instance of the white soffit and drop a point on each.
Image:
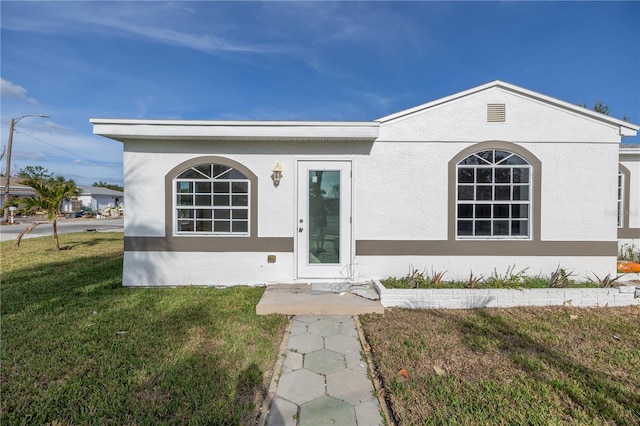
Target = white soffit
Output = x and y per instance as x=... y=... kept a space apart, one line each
x=129 y=129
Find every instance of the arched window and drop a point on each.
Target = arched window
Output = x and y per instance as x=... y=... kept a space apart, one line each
x=493 y=195
x=212 y=199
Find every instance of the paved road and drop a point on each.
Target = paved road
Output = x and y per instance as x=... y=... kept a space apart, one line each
x=65 y=226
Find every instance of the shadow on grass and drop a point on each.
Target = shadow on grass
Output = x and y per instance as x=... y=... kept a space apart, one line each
x=97 y=240
x=595 y=392
x=79 y=348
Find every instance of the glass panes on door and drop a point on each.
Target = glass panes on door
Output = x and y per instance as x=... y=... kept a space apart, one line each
x=324 y=216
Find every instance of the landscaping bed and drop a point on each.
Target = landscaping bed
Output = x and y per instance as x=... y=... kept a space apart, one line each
x=421 y=290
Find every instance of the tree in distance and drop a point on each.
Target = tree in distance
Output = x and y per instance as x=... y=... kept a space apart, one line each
x=108 y=185
x=51 y=191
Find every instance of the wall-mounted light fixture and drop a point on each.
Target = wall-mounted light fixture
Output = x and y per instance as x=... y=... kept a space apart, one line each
x=277 y=175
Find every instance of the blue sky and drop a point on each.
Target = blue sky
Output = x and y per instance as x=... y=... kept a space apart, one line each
x=289 y=61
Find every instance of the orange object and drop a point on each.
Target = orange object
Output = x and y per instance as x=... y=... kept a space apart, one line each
x=626 y=267
x=404 y=373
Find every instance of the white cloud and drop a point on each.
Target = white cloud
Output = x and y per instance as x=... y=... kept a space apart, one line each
x=51 y=127
x=203 y=42
x=28 y=156
x=143 y=104
x=384 y=104
x=14 y=91
x=156 y=21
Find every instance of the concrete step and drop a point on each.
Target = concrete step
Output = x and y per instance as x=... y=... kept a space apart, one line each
x=302 y=299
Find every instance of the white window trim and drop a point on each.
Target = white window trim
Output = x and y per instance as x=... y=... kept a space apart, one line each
x=620 y=198
x=528 y=202
x=194 y=233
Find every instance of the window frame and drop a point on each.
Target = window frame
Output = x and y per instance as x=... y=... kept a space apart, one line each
x=623 y=208
x=243 y=175
x=620 y=198
x=535 y=197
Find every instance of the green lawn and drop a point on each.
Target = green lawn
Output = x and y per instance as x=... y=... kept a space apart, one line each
x=537 y=366
x=77 y=348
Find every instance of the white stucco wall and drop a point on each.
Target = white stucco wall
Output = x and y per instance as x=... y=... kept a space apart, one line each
x=579 y=186
x=146 y=165
x=528 y=120
x=460 y=267
x=95 y=202
x=632 y=163
x=204 y=269
x=579 y=163
x=400 y=192
x=144 y=189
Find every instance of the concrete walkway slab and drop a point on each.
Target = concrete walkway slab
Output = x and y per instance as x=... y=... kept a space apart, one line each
x=302 y=299
x=324 y=378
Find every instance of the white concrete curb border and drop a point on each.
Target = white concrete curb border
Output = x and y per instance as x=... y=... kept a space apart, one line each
x=625 y=295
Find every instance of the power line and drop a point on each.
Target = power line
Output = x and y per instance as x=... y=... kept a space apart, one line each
x=68 y=152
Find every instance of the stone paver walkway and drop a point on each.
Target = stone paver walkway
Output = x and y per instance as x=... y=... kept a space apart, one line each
x=324 y=378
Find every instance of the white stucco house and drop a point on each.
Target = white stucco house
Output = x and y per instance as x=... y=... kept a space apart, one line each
x=96 y=198
x=629 y=195
x=478 y=181
x=16 y=189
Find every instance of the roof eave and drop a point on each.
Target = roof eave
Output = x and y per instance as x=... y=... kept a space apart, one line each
x=126 y=129
x=624 y=128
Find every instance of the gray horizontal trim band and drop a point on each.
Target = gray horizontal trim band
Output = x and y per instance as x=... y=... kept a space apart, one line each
x=485 y=248
x=631 y=233
x=209 y=244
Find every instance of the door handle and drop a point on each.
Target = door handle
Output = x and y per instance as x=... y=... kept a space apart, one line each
x=300 y=229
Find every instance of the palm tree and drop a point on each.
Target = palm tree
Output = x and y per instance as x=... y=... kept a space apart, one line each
x=52 y=191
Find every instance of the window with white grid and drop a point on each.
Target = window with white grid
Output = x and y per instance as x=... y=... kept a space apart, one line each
x=212 y=199
x=493 y=196
x=620 y=199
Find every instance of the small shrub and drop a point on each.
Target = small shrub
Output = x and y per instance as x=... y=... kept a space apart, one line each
x=605 y=282
x=510 y=279
x=417 y=279
x=473 y=281
x=560 y=278
x=437 y=278
x=537 y=281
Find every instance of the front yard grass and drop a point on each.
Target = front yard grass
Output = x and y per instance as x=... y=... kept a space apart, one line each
x=534 y=366
x=77 y=348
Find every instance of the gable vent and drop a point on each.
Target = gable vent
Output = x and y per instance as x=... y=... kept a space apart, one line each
x=496 y=113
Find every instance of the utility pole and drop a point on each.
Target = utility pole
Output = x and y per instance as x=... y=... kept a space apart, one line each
x=7 y=196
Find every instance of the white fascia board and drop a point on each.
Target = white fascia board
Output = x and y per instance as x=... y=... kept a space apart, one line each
x=624 y=128
x=628 y=131
x=420 y=108
x=122 y=129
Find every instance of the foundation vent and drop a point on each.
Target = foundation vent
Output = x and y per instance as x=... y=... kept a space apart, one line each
x=496 y=113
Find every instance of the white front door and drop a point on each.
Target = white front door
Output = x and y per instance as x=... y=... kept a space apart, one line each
x=324 y=219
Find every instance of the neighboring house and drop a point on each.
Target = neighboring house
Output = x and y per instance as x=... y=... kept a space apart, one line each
x=16 y=189
x=96 y=198
x=480 y=181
